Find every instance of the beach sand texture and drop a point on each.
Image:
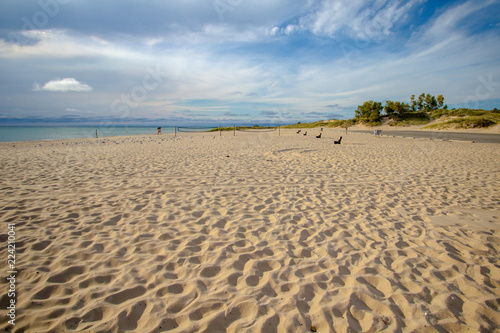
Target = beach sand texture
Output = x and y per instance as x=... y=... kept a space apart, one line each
x=253 y=233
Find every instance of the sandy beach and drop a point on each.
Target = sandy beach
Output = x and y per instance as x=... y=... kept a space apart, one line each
x=252 y=233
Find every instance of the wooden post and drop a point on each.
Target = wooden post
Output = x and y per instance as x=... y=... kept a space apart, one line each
x=96 y=133
x=175 y=131
x=279 y=130
x=234 y=131
x=220 y=131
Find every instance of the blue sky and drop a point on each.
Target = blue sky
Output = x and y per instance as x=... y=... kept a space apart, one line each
x=213 y=62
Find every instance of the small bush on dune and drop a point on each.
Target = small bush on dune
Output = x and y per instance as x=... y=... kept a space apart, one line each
x=464 y=123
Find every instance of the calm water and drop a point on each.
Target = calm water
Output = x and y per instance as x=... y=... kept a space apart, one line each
x=30 y=133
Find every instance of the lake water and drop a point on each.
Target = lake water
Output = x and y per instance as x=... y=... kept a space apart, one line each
x=30 y=133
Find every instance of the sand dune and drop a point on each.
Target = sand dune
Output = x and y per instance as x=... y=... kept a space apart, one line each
x=253 y=233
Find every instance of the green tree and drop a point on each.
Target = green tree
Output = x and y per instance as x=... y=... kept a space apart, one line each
x=413 y=103
x=390 y=109
x=396 y=109
x=369 y=112
x=440 y=101
x=426 y=102
x=430 y=103
x=403 y=108
x=421 y=102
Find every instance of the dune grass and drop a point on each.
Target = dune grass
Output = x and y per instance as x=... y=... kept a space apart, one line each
x=322 y=123
x=447 y=119
x=464 y=123
x=464 y=118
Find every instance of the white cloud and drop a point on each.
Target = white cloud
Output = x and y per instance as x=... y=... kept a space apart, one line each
x=53 y=44
x=64 y=85
x=290 y=29
x=361 y=19
x=450 y=22
x=274 y=31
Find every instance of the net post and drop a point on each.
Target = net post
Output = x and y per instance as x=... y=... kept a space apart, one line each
x=220 y=131
x=279 y=130
x=175 y=131
x=234 y=130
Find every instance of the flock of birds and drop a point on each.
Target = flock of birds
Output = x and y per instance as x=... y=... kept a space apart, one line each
x=305 y=134
x=337 y=142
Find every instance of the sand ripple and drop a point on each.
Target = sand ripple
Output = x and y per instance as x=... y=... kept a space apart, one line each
x=156 y=235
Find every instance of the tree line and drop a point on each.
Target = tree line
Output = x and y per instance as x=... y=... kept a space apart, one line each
x=370 y=111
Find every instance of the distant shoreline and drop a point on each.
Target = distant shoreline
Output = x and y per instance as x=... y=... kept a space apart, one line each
x=44 y=133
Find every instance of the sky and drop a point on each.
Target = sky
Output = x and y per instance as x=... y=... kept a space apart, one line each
x=221 y=62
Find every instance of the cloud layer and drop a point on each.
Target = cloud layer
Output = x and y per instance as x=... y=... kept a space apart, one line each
x=243 y=61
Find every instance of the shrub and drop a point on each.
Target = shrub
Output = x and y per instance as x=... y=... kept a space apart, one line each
x=369 y=112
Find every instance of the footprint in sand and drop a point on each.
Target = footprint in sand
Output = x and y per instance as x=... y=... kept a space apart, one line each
x=252 y=280
x=113 y=221
x=72 y=323
x=125 y=295
x=204 y=311
x=209 y=272
x=233 y=279
x=40 y=246
x=66 y=275
x=128 y=321
x=241 y=262
x=93 y=315
x=167 y=325
x=266 y=266
x=45 y=293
